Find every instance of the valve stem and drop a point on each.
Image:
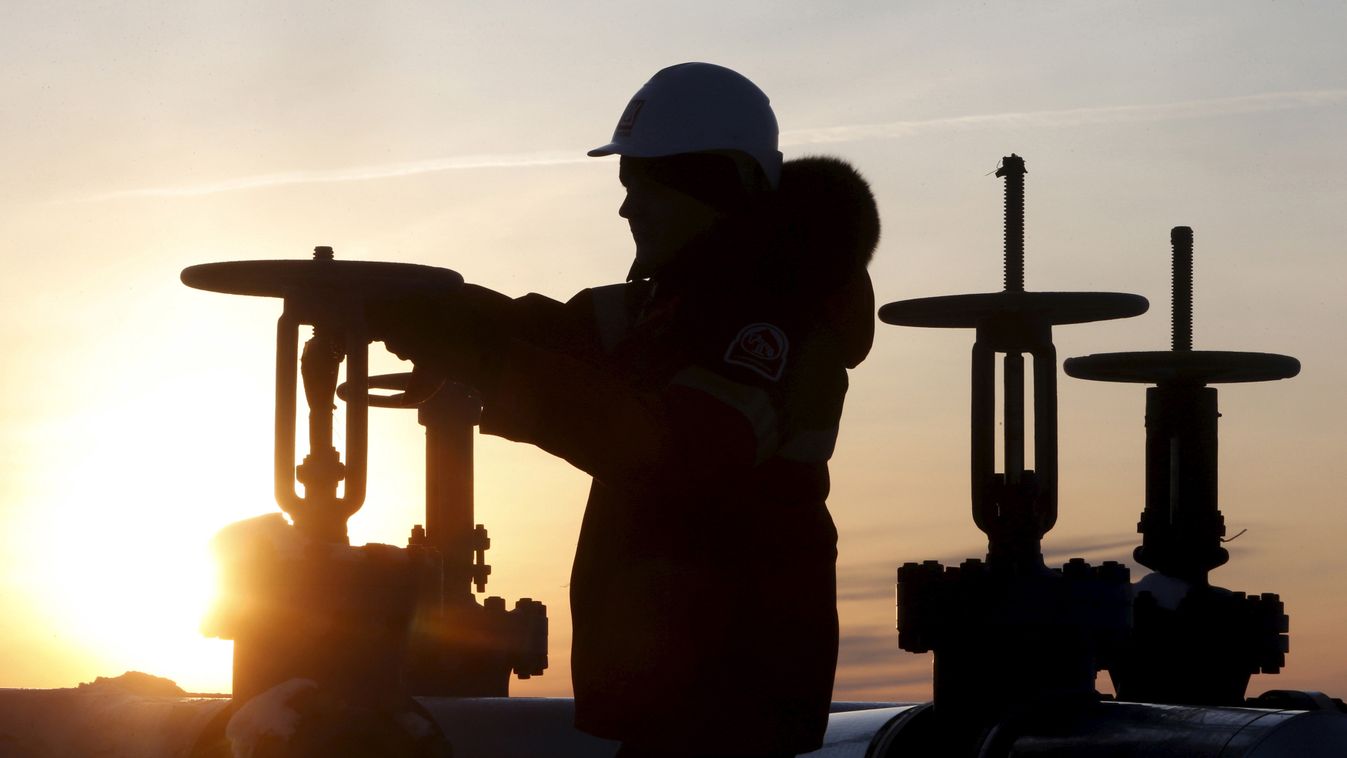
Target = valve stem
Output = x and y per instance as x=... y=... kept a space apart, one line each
x=1181 y=318
x=1012 y=168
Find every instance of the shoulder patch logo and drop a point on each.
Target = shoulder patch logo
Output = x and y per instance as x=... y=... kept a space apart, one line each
x=628 y=120
x=760 y=348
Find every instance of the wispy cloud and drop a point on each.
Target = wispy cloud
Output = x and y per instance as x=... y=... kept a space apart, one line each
x=1071 y=117
x=870 y=665
x=358 y=173
x=1096 y=550
x=1048 y=119
x=874 y=580
x=873 y=645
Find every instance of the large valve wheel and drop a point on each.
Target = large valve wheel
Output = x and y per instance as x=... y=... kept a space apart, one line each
x=354 y=280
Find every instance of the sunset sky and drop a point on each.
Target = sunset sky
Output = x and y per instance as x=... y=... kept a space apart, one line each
x=142 y=137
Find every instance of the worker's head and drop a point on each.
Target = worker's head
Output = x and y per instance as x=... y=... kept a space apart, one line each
x=676 y=200
x=698 y=143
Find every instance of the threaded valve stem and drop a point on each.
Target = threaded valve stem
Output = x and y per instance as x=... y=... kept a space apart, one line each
x=1012 y=168
x=1181 y=318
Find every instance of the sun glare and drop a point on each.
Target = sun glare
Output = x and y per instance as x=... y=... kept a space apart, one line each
x=119 y=556
x=137 y=604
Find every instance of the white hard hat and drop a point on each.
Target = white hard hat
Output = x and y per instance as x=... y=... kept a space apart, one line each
x=698 y=108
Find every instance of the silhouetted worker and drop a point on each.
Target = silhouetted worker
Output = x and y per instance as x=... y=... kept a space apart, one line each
x=703 y=396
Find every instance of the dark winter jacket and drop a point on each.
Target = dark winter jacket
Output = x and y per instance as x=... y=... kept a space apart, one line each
x=705 y=403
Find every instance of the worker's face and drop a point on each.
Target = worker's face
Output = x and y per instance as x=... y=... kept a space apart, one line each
x=662 y=220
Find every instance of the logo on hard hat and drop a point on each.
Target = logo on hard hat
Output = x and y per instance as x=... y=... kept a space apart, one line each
x=628 y=119
x=760 y=348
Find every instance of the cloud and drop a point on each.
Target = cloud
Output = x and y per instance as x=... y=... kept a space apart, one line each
x=856 y=684
x=1095 y=550
x=359 y=173
x=1071 y=117
x=871 y=660
x=868 y=647
x=873 y=581
x=1047 y=119
x=870 y=581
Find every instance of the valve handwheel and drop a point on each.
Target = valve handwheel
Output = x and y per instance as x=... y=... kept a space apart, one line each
x=973 y=310
x=290 y=278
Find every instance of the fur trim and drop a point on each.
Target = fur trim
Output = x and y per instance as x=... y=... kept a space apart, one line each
x=830 y=225
x=829 y=217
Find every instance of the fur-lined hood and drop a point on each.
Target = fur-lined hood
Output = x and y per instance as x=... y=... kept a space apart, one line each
x=828 y=220
x=829 y=226
x=807 y=244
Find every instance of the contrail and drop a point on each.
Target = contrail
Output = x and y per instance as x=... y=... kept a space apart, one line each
x=1057 y=119
x=359 y=173
x=1049 y=119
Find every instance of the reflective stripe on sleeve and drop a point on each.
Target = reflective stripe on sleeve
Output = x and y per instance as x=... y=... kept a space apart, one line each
x=751 y=401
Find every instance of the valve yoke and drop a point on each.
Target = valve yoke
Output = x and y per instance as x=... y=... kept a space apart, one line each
x=330 y=296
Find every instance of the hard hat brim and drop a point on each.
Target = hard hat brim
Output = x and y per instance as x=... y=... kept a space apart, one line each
x=621 y=148
x=634 y=151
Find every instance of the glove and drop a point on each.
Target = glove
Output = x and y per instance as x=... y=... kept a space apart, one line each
x=454 y=336
x=410 y=326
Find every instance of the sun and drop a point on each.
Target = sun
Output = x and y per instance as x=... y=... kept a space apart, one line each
x=117 y=552
x=135 y=603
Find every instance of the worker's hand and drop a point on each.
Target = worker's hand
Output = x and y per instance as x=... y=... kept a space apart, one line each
x=412 y=326
x=451 y=336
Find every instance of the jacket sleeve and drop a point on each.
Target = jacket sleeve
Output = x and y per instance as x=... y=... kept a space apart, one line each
x=721 y=415
x=533 y=318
